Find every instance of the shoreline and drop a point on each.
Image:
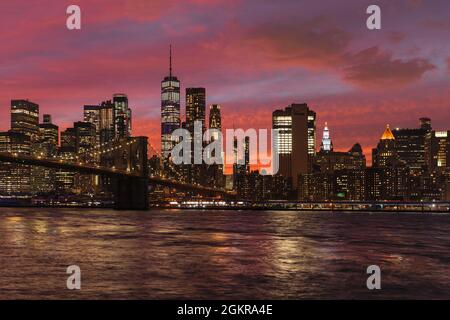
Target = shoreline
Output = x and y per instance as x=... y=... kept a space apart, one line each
x=248 y=208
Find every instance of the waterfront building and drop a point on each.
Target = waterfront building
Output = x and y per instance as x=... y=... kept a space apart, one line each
x=43 y=179
x=316 y=186
x=67 y=152
x=48 y=136
x=296 y=139
x=330 y=161
x=15 y=178
x=440 y=151
x=25 y=118
x=411 y=145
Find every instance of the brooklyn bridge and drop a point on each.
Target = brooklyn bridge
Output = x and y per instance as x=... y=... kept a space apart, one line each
x=127 y=167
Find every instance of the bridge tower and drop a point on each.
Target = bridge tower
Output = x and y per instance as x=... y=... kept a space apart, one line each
x=131 y=193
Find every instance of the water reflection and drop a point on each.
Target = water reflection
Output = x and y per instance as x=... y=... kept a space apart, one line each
x=223 y=254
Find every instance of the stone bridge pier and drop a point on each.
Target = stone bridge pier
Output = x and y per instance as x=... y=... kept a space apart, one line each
x=131 y=193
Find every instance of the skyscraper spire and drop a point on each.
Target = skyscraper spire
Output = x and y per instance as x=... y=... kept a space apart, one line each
x=327 y=145
x=170 y=61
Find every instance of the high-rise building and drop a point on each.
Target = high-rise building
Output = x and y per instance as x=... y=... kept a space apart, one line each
x=312 y=133
x=92 y=114
x=106 y=122
x=385 y=154
x=195 y=114
x=170 y=111
x=327 y=144
x=43 y=179
x=330 y=161
x=68 y=152
x=195 y=108
x=296 y=139
x=241 y=167
x=216 y=170
x=122 y=116
x=49 y=136
x=25 y=118
x=215 y=118
x=85 y=134
x=440 y=151
x=335 y=176
x=15 y=178
x=411 y=145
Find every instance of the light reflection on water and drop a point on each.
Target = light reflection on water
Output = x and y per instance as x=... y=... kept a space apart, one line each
x=222 y=254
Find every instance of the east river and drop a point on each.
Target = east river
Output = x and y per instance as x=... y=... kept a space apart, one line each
x=178 y=254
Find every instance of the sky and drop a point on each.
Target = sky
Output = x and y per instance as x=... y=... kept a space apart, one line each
x=253 y=56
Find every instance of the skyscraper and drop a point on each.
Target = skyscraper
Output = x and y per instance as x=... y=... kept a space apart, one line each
x=327 y=144
x=25 y=118
x=385 y=154
x=241 y=167
x=43 y=179
x=195 y=113
x=170 y=110
x=106 y=122
x=215 y=123
x=15 y=178
x=296 y=139
x=311 y=133
x=122 y=116
x=92 y=114
x=440 y=151
x=195 y=107
x=67 y=151
x=48 y=136
x=411 y=145
x=215 y=118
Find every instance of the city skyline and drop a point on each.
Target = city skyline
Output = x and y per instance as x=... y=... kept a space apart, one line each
x=328 y=64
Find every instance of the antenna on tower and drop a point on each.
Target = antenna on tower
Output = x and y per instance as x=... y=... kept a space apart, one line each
x=170 y=61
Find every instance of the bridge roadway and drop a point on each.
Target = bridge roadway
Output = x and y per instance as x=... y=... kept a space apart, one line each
x=110 y=172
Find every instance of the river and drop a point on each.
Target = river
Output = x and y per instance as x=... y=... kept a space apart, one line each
x=175 y=254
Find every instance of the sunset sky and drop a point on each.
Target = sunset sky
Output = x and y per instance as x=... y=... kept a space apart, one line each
x=253 y=56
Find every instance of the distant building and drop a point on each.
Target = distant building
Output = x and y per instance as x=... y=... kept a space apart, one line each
x=330 y=161
x=15 y=178
x=107 y=133
x=85 y=135
x=170 y=111
x=92 y=114
x=385 y=154
x=43 y=179
x=335 y=176
x=48 y=136
x=241 y=167
x=440 y=151
x=327 y=144
x=122 y=116
x=25 y=118
x=195 y=113
x=215 y=171
x=296 y=139
x=195 y=108
x=411 y=145
x=67 y=152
